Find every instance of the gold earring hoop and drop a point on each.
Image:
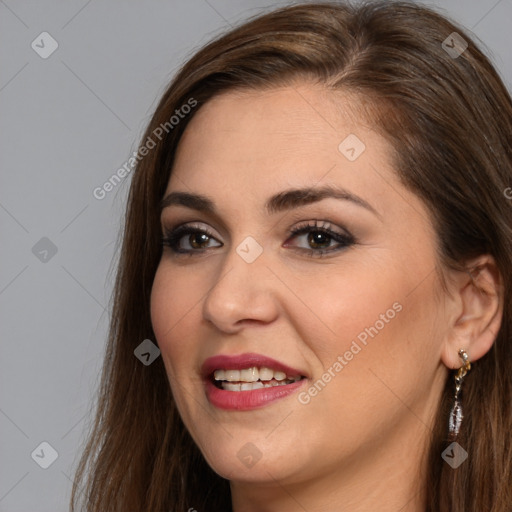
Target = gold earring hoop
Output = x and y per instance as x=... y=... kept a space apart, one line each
x=456 y=415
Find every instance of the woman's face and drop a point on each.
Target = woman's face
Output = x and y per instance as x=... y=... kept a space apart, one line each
x=348 y=311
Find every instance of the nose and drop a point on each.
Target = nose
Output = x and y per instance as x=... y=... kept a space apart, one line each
x=241 y=293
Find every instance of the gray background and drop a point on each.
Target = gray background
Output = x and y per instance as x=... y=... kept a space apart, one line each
x=67 y=123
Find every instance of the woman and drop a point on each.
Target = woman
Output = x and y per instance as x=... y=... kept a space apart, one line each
x=319 y=243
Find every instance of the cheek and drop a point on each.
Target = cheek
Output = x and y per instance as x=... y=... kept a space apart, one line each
x=354 y=304
x=372 y=318
x=171 y=305
x=370 y=368
x=174 y=309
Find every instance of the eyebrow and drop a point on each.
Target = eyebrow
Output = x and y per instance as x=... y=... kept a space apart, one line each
x=283 y=201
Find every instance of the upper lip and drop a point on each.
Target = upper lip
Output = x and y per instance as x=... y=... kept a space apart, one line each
x=248 y=360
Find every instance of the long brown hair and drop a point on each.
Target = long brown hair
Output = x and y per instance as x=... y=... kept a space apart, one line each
x=448 y=119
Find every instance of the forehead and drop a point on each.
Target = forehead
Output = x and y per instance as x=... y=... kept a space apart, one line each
x=293 y=131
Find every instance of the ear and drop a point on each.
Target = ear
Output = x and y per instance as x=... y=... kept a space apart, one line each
x=479 y=294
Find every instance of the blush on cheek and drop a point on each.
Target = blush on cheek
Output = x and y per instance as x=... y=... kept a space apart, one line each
x=165 y=308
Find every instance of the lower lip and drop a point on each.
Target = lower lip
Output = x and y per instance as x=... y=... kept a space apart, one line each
x=247 y=400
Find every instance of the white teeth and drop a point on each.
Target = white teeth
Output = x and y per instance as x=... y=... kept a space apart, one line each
x=232 y=375
x=250 y=374
x=248 y=379
x=266 y=374
x=219 y=375
x=230 y=386
x=249 y=386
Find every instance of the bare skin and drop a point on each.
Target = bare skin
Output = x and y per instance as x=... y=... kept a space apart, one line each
x=357 y=443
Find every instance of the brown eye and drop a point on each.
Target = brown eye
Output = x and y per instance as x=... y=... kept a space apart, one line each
x=196 y=238
x=319 y=239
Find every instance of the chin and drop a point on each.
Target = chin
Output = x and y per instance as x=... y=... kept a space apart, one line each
x=243 y=460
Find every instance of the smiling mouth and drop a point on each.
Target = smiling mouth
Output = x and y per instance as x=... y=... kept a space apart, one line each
x=248 y=379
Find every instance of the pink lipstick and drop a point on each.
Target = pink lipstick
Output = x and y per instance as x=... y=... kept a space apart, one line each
x=248 y=381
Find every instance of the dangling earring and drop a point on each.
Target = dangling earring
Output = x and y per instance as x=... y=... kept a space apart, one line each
x=456 y=412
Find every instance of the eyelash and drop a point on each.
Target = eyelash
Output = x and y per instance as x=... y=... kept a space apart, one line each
x=172 y=238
